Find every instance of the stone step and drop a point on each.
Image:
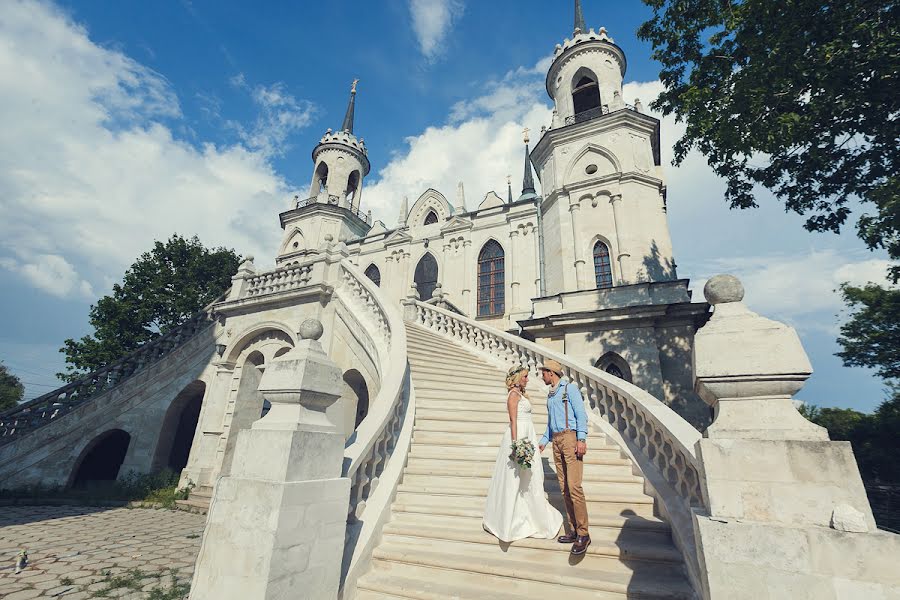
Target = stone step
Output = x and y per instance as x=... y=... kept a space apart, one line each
x=473 y=504
x=454 y=410
x=420 y=582
x=645 y=543
x=431 y=366
x=490 y=440
x=373 y=595
x=460 y=386
x=485 y=468
x=597 y=453
x=647 y=580
x=470 y=486
x=475 y=400
x=599 y=521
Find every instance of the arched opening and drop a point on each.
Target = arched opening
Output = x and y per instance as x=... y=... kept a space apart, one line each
x=585 y=93
x=177 y=433
x=358 y=396
x=102 y=458
x=248 y=404
x=374 y=274
x=602 y=266
x=426 y=276
x=430 y=218
x=352 y=188
x=491 y=280
x=320 y=181
x=614 y=364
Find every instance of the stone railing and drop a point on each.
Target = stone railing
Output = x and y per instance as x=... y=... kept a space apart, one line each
x=375 y=459
x=659 y=441
x=335 y=201
x=280 y=280
x=26 y=417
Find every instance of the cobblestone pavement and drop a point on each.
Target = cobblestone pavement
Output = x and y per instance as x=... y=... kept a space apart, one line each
x=77 y=552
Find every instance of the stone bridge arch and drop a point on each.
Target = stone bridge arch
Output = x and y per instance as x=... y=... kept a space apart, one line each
x=101 y=458
x=176 y=434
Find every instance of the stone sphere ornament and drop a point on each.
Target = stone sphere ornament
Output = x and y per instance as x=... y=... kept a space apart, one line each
x=311 y=329
x=723 y=289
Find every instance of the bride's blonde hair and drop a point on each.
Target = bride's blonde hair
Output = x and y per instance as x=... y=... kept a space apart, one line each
x=514 y=377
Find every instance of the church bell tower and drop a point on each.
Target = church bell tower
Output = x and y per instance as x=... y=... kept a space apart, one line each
x=341 y=165
x=604 y=210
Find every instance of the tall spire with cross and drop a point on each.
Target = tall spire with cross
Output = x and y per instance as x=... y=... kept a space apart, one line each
x=527 y=179
x=348 y=118
x=579 y=18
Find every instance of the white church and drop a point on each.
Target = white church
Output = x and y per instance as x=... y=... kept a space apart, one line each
x=338 y=417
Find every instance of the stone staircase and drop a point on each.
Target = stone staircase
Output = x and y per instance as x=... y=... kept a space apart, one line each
x=198 y=500
x=434 y=546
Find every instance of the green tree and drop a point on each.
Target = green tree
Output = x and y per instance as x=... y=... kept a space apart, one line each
x=871 y=336
x=797 y=96
x=160 y=291
x=11 y=389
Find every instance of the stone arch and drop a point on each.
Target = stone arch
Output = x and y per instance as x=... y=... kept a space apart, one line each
x=614 y=364
x=351 y=194
x=101 y=458
x=356 y=392
x=320 y=179
x=295 y=242
x=255 y=334
x=426 y=275
x=591 y=154
x=179 y=424
x=585 y=86
x=430 y=200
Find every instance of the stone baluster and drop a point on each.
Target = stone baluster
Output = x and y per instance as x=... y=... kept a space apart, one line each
x=285 y=503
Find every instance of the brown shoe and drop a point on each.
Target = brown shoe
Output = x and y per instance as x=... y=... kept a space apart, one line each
x=567 y=538
x=581 y=544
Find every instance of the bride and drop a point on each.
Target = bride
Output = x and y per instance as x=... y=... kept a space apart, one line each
x=516 y=506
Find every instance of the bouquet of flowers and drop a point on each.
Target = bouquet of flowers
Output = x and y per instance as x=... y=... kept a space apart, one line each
x=522 y=452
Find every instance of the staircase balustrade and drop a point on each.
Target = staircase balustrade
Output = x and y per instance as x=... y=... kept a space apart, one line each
x=665 y=439
x=279 y=280
x=374 y=461
x=29 y=416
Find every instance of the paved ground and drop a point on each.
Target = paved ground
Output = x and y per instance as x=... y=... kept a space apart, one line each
x=80 y=552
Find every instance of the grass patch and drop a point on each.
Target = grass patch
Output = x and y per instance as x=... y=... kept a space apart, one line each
x=66 y=581
x=160 y=488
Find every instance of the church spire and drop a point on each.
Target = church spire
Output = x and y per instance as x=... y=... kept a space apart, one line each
x=348 y=118
x=579 y=18
x=527 y=180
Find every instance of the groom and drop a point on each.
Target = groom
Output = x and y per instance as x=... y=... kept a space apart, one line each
x=567 y=427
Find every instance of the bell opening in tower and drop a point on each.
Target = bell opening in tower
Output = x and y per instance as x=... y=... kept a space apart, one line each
x=585 y=95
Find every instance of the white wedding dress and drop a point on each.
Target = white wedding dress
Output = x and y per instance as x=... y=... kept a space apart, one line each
x=516 y=506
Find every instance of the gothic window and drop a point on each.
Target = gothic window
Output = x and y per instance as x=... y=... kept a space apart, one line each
x=431 y=218
x=491 y=285
x=374 y=274
x=614 y=370
x=352 y=187
x=585 y=95
x=321 y=179
x=602 y=267
x=615 y=365
x=426 y=276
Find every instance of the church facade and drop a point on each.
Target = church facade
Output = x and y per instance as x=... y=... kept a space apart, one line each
x=585 y=268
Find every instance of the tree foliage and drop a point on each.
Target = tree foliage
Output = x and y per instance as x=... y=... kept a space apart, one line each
x=11 y=389
x=875 y=438
x=160 y=291
x=798 y=96
x=871 y=336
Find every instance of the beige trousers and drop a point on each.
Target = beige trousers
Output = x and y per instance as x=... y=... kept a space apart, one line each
x=569 y=470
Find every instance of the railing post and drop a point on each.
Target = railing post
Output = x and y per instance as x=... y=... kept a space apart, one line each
x=276 y=526
x=239 y=282
x=781 y=498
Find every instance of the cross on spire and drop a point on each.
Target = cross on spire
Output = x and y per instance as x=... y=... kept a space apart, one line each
x=348 y=118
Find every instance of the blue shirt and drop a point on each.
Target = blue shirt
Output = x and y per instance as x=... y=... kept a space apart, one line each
x=556 y=416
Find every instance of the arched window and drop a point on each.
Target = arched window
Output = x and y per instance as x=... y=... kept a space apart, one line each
x=491 y=286
x=615 y=365
x=585 y=95
x=602 y=267
x=612 y=369
x=431 y=218
x=426 y=276
x=320 y=182
x=352 y=187
x=374 y=274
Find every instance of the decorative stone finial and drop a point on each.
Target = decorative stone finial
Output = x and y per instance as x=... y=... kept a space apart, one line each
x=311 y=329
x=723 y=289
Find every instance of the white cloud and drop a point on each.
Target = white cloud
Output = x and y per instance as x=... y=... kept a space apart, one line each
x=280 y=116
x=432 y=21
x=90 y=172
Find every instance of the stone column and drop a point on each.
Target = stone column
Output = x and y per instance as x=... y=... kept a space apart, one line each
x=623 y=257
x=514 y=276
x=276 y=525
x=786 y=512
x=467 y=302
x=578 y=252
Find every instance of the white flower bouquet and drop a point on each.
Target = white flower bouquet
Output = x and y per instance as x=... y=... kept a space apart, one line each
x=522 y=452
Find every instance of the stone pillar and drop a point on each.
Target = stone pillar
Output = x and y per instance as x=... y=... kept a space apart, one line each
x=623 y=258
x=786 y=512
x=468 y=277
x=514 y=276
x=577 y=251
x=276 y=525
x=239 y=282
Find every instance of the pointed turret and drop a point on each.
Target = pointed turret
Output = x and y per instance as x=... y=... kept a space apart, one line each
x=460 y=199
x=579 y=18
x=509 y=189
x=404 y=209
x=528 y=190
x=351 y=106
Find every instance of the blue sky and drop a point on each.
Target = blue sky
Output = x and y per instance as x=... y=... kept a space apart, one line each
x=123 y=122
